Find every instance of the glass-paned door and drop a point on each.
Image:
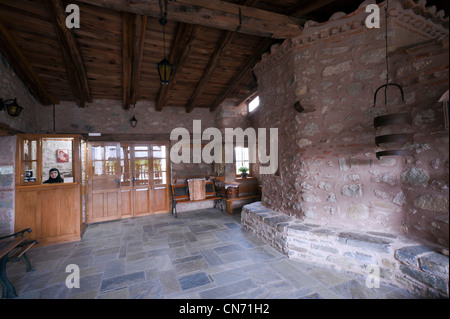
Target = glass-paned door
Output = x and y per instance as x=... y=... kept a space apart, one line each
x=141 y=180
x=160 y=176
x=128 y=180
x=104 y=196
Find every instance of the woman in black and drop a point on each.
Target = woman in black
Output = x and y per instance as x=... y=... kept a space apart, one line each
x=54 y=177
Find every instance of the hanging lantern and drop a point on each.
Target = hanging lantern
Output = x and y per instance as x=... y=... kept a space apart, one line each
x=165 y=70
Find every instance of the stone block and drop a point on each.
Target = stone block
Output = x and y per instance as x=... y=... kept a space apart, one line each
x=409 y=255
x=435 y=203
x=325 y=248
x=434 y=264
x=433 y=281
x=323 y=232
x=298 y=230
x=337 y=68
x=353 y=190
x=357 y=211
x=361 y=257
x=415 y=176
x=365 y=242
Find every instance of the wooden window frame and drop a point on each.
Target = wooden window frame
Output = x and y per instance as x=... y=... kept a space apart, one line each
x=20 y=161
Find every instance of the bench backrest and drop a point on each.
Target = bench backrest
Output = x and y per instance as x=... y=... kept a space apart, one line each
x=181 y=191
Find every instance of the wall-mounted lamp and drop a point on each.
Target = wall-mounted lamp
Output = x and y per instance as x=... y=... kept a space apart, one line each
x=11 y=107
x=133 y=121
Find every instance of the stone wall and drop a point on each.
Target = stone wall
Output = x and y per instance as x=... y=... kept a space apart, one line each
x=108 y=117
x=329 y=174
x=418 y=267
x=12 y=87
x=7 y=157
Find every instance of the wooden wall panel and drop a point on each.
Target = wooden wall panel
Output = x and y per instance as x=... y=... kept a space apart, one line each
x=53 y=212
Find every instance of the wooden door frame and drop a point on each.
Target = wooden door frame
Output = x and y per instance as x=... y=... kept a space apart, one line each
x=132 y=144
x=89 y=212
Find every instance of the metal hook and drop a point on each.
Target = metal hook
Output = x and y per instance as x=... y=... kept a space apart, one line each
x=385 y=93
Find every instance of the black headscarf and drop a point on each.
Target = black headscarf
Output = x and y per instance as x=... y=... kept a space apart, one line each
x=58 y=178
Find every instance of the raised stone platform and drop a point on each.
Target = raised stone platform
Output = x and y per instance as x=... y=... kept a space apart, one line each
x=417 y=267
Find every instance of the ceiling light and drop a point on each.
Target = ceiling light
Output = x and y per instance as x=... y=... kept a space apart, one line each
x=165 y=68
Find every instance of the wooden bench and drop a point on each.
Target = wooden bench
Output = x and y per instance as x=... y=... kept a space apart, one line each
x=180 y=194
x=248 y=190
x=16 y=245
x=229 y=201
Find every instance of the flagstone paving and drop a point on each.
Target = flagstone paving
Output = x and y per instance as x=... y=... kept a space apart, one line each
x=201 y=254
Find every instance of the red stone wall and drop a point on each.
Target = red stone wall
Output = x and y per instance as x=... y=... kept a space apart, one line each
x=329 y=173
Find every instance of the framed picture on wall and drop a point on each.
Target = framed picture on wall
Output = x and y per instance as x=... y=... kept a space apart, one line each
x=62 y=156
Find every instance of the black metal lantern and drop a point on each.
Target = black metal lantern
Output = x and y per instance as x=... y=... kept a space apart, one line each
x=133 y=121
x=165 y=68
x=11 y=107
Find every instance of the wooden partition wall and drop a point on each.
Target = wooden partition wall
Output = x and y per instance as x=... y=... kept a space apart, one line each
x=52 y=211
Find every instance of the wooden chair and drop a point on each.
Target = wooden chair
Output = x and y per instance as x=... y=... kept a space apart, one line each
x=13 y=248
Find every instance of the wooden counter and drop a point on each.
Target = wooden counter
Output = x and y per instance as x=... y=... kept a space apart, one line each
x=52 y=211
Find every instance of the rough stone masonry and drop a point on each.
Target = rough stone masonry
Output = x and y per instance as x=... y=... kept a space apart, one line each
x=332 y=201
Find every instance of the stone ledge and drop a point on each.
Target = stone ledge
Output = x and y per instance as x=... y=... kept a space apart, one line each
x=402 y=261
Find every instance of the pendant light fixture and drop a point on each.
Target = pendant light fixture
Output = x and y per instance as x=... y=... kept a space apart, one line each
x=165 y=69
x=393 y=120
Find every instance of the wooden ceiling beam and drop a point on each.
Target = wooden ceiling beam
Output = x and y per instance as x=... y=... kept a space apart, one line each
x=246 y=67
x=23 y=68
x=134 y=28
x=313 y=5
x=224 y=41
x=73 y=60
x=215 y=14
x=180 y=52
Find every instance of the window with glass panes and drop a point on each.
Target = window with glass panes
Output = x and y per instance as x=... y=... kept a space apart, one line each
x=241 y=157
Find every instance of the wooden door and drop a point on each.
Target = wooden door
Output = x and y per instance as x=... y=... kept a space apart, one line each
x=141 y=180
x=126 y=176
x=160 y=178
x=104 y=195
x=127 y=180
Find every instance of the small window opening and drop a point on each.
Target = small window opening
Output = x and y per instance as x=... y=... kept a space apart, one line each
x=253 y=104
x=242 y=159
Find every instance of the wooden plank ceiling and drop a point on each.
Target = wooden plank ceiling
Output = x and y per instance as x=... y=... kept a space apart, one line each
x=213 y=44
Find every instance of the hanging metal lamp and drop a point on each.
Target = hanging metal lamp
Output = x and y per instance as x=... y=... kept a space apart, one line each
x=165 y=68
x=398 y=119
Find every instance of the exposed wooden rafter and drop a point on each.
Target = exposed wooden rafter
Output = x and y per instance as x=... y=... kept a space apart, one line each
x=306 y=8
x=23 y=68
x=76 y=71
x=225 y=39
x=178 y=56
x=215 y=14
x=246 y=67
x=134 y=27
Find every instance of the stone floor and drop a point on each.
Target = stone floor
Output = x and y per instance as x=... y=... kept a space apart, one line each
x=202 y=254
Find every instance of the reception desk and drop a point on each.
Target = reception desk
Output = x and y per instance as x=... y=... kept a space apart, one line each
x=52 y=211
